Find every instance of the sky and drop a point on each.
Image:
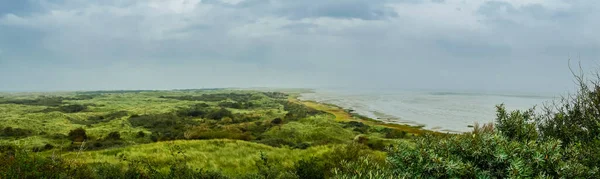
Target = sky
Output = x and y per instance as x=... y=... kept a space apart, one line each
x=478 y=45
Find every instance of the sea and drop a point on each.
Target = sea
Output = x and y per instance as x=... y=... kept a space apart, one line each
x=444 y=111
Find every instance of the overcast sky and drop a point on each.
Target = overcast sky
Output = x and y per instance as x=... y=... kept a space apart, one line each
x=486 y=45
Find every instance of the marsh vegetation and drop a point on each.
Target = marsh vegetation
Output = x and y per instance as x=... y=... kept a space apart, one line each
x=224 y=133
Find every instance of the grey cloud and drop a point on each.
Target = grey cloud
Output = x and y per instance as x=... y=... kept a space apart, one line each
x=359 y=9
x=423 y=44
x=473 y=48
x=366 y=10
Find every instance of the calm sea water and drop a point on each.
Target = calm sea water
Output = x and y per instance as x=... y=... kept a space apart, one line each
x=441 y=111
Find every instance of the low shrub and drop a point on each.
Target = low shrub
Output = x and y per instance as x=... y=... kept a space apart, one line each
x=15 y=132
x=113 y=136
x=163 y=126
x=73 y=108
x=77 y=135
x=394 y=133
x=43 y=148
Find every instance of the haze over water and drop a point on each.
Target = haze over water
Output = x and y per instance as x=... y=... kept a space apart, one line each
x=436 y=110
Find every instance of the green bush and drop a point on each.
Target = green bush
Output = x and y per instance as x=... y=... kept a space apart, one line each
x=298 y=111
x=15 y=132
x=394 y=133
x=517 y=125
x=73 y=108
x=575 y=118
x=197 y=110
x=237 y=105
x=40 y=101
x=357 y=126
x=163 y=126
x=365 y=167
x=43 y=148
x=219 y=114
x=276 y=95
x=485 y=155
x=311 y=168
x=141 y=134
x=77 y=135
x=113 y=136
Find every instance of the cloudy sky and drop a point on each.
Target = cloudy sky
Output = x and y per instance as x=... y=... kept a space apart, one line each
x=489 y=45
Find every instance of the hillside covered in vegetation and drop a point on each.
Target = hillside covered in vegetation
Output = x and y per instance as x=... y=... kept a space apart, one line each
x=222 y=133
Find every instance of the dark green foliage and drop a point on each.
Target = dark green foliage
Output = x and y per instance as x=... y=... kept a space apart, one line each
x=576 y=118
x=43 y=148
x=277 y=121
x=394 y=133
x=219 y=114
x=562 y=142
x=575 y=121
x=276 y=95
x=377 y=144
x=197 y=110
x=163 y=126
x=95 y=93
x=73 y=108
x=154 y=137
x=57 y=136
x=111 y=140
x=323 y=165
x=7 y=149
x=15 y=132
x=239 y=97
x=256 y=128
x=365 y=167
x=98 y=144
x=269 y=168
x=77 y=135
x=40 y=101
x=237 y=105
x=358 y=126
x=244 y=117
x=113 y=136
x=485 y=155
x=50 y=101
x=298 y=111
x=310 y=168
x=516 y=125
x=24 y=165
x=201 y=110
x=84 y=97
x=141 y=134
x=109 y=117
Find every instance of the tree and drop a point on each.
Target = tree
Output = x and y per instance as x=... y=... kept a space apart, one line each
x=78 y=135
x=113 y=136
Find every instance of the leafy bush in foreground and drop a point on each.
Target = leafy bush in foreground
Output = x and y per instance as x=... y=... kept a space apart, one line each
x=22 y=164
x=485 y=155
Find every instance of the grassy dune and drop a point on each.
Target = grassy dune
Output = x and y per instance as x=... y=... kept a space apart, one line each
x=220 y=130
x=227 y=156
x=342 y=115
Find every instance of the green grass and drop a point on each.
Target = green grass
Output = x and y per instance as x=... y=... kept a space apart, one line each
x=227 y=156
x=305 y=134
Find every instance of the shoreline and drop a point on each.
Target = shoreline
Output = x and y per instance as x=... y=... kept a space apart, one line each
x=378 y=117
x=347 y=115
